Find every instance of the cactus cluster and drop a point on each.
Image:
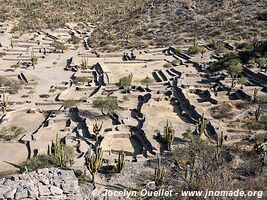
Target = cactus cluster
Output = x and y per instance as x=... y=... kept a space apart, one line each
x=202 y=125
x=169 y=134
x=94 y=161
x=160 y=173
x=4 y=103
x=97 y=128
x=121 y=161
x=57 y=149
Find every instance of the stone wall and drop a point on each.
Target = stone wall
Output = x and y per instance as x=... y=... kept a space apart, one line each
x=43 y=184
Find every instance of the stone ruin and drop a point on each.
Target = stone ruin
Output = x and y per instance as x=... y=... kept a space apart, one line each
x=43 y=184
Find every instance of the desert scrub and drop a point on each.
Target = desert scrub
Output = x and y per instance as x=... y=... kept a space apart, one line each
x=252 y=124
x=48 y=161
x=176 y=62
x=221 y=112
x=7 y=173
x=12 y=84
x=10 y=133
x=2 y=54
x=70 y=103
x=167 y=65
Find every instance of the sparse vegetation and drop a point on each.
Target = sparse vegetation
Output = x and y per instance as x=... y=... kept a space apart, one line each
x=70 y=103
x=167 y=65
x=59 y=46
x=8 y=134
x=11 y=84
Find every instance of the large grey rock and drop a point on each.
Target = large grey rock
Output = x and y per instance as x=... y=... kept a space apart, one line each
x=70 y=187
x=44 y=190
x=43 y=171
x=21 y=193
x=11 y=193
x=33 y=192
x=55 y=190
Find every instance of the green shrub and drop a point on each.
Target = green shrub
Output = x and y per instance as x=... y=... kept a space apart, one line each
x=195 y=49
x=5 y=174
x=2 y=54
x=70 y=103
x=125 y=81
x=176 y=62
x=82 y=79
x=147 y=81
x=167 y=65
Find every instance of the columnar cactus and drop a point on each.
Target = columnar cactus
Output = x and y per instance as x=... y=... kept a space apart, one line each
x=34 y=60
x=97 y=128
x=218 y=153
x=202 y=125
x=169 y=133
x=160 y=173
x=94 y=161
x=255 y=95
x=61 y=156
x=4 y=103
x=58 y=151
x=121 y=161
x=258 y=113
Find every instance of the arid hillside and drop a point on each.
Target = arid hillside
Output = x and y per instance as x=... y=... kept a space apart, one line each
x=142 y=23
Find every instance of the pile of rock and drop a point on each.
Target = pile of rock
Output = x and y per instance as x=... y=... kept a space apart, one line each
x=43 y=184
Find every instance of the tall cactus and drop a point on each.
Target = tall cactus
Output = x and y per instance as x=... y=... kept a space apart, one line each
x=255 y=95
x=61 y=156
x=58 y=151
x=169 y=133
x=97 y=128
x=121 y=161
x=4 y=103
x=219 y=144
x=94 y=161
x=258 y=113
x=160 y=173
x=202 y=125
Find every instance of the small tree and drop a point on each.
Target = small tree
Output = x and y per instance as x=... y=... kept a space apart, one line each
x=106 y=104
x=94 y=161
x=234 y=69
x=262 y=62
x=126 y=81
x=242 y=81
x=147 y=81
